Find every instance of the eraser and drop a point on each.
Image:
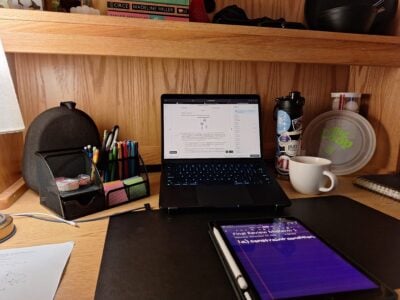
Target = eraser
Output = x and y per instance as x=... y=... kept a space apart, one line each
x=84 y=179
x=67 y=184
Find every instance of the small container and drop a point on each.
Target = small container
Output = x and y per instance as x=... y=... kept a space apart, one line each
x=346 y=101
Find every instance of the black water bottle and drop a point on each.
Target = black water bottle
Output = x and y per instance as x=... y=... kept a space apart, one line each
x=289 y=114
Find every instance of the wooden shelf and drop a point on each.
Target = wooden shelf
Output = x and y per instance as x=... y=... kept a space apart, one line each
x=59 y=33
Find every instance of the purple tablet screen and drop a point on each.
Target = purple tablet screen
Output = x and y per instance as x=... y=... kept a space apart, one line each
x=283 y=260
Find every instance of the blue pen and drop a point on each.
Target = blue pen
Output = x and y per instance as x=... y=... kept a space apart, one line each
x=135 y=159
x=129 y=146
x=110 y=165
x=133 y=155
x=129 y=155
x=90 y=153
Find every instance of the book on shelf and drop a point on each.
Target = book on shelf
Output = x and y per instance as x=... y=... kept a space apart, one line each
x=384 y=184
x=172 y=2
x=145 y=8
x=128 y=14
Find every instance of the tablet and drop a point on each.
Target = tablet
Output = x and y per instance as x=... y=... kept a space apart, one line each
x=281 y=258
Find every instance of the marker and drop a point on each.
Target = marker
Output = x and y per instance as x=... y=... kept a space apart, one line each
x=105 y=134
x=229 y=259
x=119 y=151
x=125 y=157
x=114 y=162
x=95 y=159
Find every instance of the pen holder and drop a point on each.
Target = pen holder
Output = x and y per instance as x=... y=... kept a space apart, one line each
x=120 y=169
x=124 y=190
x=69 y=183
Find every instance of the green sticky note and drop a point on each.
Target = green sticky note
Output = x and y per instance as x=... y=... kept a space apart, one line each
x=135 y=187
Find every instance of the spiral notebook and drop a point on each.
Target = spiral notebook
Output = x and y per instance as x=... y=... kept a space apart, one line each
x=384 y=184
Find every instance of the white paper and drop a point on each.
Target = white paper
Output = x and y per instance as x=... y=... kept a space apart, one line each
x=32 y=272
x=10 y=114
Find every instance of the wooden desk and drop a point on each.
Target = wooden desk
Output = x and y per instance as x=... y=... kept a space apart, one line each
x=80 y=278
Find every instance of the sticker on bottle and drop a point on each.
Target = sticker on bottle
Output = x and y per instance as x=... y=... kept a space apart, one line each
x=282 y=164
x=297 y=124
x=283 y=139
x=292 y=147
x=283 y=122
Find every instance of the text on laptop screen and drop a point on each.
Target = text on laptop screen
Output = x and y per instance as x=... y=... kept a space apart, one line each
x=207 y=129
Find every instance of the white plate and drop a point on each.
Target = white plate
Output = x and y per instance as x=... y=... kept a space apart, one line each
x=344 y=137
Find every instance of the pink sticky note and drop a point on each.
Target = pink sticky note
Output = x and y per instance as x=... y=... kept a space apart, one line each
x=115 y=192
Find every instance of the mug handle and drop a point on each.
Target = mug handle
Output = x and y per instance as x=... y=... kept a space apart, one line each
x=333 y=180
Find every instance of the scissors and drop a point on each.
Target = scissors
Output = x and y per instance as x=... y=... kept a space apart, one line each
x=110 y=138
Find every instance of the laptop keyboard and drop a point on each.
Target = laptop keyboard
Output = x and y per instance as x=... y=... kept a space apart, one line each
x=215 y=173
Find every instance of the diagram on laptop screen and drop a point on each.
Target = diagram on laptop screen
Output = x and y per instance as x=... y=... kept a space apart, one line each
x=211 y=130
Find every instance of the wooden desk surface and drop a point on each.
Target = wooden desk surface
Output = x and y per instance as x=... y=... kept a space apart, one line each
x=80 y=278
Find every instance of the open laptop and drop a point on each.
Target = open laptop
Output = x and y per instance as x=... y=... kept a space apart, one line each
x=211 y=153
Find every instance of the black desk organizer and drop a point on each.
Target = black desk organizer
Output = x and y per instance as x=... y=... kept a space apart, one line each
x=69 y=163
x=87 y=199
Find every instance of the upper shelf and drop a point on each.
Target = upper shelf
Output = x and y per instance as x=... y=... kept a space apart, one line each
x=59 y=33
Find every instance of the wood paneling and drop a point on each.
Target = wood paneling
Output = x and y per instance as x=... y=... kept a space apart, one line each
x=380 y=87
x=10 y=159
x=126 y=91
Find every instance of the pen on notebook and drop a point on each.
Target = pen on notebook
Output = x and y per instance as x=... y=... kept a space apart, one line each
x=229 y=259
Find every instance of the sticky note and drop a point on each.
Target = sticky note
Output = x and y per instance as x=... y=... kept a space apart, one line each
x=135 y=187
x=115 y=192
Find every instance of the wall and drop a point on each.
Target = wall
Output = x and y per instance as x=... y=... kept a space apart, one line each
x=126 y=91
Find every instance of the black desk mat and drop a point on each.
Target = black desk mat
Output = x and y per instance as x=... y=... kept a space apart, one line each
x=153 y=255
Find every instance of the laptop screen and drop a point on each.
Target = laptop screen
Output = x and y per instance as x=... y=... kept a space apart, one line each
x=211 y=126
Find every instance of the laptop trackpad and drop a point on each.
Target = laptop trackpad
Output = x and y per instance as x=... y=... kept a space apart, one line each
x=223 y=196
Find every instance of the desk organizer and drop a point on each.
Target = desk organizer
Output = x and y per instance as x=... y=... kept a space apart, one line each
x=70 y=163
x=92 y=197
x=128 y=189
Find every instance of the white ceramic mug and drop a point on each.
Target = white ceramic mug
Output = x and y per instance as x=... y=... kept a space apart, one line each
x=310 y=175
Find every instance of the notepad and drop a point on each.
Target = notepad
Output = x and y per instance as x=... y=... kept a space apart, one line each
x=32 y=272
x=384 y=184
x=115 y=192
x=136 y=187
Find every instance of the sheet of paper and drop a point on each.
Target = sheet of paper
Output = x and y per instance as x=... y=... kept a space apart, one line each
x=32 y=272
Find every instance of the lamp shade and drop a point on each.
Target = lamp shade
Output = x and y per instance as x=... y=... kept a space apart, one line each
x=10 y=113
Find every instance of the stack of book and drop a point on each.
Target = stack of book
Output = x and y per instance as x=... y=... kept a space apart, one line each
x=177 y=10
